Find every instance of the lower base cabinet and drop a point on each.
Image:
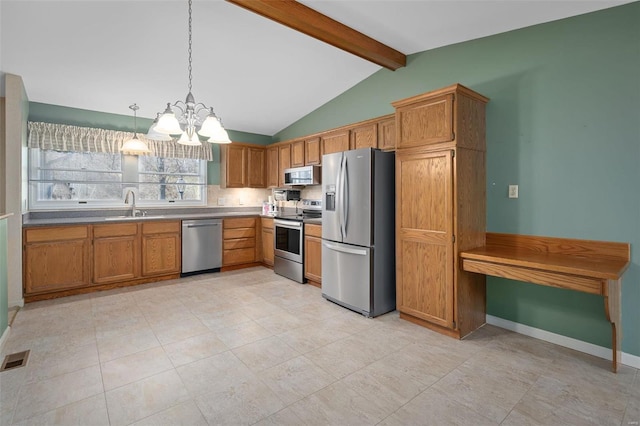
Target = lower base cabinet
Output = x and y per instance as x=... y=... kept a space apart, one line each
x=239 y=241
x=116 y=252
x=313 y=252
x=267 y=241
x=161 y=248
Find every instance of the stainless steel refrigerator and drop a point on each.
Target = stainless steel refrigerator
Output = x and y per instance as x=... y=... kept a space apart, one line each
x=358 y=230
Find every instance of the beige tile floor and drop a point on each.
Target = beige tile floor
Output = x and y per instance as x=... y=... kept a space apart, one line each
x=250 y=347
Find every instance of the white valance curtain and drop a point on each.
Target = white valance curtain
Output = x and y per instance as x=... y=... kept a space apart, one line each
x=62 y=137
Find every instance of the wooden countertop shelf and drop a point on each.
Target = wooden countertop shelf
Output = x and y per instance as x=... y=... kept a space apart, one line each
x=594 y=267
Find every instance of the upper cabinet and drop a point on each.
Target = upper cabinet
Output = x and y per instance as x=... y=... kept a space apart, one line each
x=273 y=170
x=365 y=136
x=426 y=121
x=337 y=141
x=284 y=161
x=243 y=166
x=387 y=134
x=312 y=152
x=256 y=167
x=297 y=154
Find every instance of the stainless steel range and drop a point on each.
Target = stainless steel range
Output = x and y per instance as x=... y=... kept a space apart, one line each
x=288 y=240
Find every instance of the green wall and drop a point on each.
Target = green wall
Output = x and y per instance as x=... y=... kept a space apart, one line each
x=4 y=301
x=80 y=117
x=564 y=124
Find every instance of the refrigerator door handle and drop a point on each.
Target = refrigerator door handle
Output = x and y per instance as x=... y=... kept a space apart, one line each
x=345 y=197
x=344 y=249
x=340 y=198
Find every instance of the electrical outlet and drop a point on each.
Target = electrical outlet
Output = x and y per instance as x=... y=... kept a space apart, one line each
x=513 y=191
x=221 y=201
x=241 y=201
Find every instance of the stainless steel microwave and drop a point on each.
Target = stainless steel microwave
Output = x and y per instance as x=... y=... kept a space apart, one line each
x=308 y=175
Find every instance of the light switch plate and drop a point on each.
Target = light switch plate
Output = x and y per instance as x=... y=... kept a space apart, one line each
x=513 y=191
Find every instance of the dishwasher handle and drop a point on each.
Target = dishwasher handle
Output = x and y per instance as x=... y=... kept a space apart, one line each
x=202 y=225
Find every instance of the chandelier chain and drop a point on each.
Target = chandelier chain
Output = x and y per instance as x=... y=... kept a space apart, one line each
x=190 y=46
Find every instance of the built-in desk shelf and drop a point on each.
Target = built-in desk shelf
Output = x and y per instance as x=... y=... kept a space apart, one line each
x=594 y=267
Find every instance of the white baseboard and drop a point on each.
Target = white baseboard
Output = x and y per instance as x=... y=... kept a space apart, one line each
x=19 y=302
x=558 y=339
x=4 y=337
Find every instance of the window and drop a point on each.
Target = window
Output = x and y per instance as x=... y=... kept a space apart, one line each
x=90 y=179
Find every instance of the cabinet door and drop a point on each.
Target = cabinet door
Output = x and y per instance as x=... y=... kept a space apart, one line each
x=387 y=134
x=313 y=253
x=57 y=265
x=426 y=122
x=256 y=168
x=312 y=153
x=273 y=169
x=424 y=232
x=235 y=166
x=116 y=253
x=364 y=136
x=297 y=154
x=335 y=142
x=267 y=246
x=160 y=254
x=284 y=162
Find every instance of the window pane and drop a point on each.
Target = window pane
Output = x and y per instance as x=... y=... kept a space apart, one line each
x=159 y=178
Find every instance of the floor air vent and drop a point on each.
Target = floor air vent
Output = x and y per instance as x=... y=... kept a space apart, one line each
x=16 y=360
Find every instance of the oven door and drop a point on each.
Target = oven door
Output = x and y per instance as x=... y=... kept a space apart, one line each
x=288 y=239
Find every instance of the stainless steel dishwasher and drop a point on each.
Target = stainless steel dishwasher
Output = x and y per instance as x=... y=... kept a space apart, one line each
x=201 y=245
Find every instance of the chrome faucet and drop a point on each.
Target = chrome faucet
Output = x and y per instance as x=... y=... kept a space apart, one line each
x=134 y=212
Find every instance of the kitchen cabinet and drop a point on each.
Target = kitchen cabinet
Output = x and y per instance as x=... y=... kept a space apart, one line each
x=312 y=152
x=284 y=162
x=440 y=208
x=161 y=248
x=243 y=166
x=365 y=136
x=387 y=134
x=56 y=258
x=313 y=253
x=116 y=252
x=239 y=241
x=273 y=169
x=297 y=154
x=267 y=241
x=337 y=141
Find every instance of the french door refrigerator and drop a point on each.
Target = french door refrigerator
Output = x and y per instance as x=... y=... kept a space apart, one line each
x=358 y=230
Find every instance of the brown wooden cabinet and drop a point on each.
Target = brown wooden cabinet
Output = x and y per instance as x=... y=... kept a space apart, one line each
x=313 y=253
x=284 y=161
x=297 y=154
x=243 y=166
x=312 y=152
x=239 y=241
x=161 y=249
x=116 y=252
x=267 y=241
x=56 y=258
x=387 y=134
x=440 y=208
x=273 y=169
x=337 y=141
x=365 y=136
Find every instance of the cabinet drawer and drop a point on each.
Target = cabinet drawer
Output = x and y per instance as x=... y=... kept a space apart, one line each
x=229 y=234
x=244 y=255
x=161 y=227
x=313 y=230
x=240 y=222
x=59 y=233
x=239 y=243
x=117 y=230
x=267 y=223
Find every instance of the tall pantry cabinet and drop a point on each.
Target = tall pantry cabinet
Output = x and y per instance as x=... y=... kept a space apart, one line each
x=440 y=208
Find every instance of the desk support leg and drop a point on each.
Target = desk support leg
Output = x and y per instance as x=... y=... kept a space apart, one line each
x=612 y=308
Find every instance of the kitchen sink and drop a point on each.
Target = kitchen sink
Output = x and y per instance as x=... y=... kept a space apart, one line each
x=110 y=218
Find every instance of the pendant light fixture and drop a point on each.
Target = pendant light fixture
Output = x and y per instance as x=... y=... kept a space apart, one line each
x=134 y=145
x=193 y=119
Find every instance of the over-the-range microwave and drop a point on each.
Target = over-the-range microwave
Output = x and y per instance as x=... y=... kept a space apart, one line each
x=307 y=175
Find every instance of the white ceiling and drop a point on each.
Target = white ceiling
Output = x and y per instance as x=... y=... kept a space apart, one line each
x=259 y=76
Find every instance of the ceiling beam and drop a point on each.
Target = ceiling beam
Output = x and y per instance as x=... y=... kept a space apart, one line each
x=312 y=23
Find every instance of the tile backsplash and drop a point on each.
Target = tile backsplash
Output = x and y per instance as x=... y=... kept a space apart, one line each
x=217 y=196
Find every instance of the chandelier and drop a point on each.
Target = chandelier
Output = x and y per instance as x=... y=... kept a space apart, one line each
x=193 y=118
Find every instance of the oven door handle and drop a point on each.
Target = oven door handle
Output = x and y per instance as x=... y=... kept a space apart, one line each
x=288 y=224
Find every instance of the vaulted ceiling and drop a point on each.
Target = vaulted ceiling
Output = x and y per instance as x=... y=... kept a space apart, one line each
x=258 y=75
